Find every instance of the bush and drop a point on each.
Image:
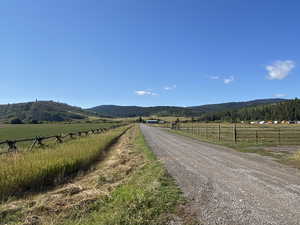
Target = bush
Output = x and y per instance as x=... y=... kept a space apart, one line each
x=34 y=122
x=16 y=121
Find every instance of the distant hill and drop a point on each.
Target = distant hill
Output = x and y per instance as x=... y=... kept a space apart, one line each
x=284 y=110
x=42 y=111
x=234 y=105
x=133 y=111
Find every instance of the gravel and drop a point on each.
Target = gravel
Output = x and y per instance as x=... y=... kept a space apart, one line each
x=228 y=187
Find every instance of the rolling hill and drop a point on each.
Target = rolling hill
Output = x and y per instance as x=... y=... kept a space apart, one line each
x=42 y=111
x=133 y=111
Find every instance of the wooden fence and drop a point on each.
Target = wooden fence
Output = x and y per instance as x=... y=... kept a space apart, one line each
x=279 y=135
x=39 y=140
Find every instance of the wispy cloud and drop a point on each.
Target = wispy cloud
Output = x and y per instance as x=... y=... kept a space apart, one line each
x=280 y=95
x=168 y=88
x=228 y=80
x=280 y=69
x=225 y=79
x=142 y=93
x=214 y=77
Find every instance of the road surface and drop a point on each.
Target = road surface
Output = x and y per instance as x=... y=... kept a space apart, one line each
x=228 y=187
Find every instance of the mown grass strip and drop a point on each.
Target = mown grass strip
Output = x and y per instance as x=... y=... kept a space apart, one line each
x=149 y=197
x=36 y=170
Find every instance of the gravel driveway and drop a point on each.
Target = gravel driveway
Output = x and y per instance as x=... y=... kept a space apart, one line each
x=229 y=187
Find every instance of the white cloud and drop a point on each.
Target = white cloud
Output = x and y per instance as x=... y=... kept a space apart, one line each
x=214 y=77
x=228 y=80
x=142 y=93
x=280 y=95
x=280 y=69
x=168 y=88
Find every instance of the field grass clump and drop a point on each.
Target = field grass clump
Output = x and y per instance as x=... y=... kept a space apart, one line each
x=35 y=170
x=294 y=159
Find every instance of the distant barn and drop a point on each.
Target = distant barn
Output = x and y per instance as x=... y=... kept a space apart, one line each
x=152 y=121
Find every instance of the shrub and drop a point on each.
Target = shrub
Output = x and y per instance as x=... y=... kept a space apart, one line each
x=16 y=121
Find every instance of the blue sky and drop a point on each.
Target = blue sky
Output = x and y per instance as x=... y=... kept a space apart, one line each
x=141 y=52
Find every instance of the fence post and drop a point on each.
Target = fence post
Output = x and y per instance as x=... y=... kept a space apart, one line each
x=59 y=139
x=40 y=141
x=256 y=136
x=12 y=146
x=219 y=133
x=33 y=144
x=234 y=134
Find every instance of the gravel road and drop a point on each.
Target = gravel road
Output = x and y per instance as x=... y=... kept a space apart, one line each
x=228 y=187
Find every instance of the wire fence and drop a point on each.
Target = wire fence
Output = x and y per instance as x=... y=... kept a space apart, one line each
x=39 y=141
x=280 y=135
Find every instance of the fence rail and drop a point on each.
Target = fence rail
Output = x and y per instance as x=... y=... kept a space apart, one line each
x=238 y=134
x=59 y=138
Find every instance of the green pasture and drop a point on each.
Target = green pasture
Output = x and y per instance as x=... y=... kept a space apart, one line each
x=12 y=132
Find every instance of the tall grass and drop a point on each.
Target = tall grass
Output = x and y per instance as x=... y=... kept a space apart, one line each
x=35 y=170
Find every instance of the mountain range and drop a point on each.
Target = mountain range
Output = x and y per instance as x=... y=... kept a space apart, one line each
x=133 y=111
x=51 y=111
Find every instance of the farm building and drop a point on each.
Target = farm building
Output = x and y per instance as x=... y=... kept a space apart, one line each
x=152 y=121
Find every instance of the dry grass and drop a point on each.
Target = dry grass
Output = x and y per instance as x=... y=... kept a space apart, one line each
x=128 y=186
x=41 y=168
x=294 y=160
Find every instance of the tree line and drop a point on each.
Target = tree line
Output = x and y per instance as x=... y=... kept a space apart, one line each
x=289 y=111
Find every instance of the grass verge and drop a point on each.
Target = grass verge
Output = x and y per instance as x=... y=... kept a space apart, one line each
x=39 y=169
x=149 y=196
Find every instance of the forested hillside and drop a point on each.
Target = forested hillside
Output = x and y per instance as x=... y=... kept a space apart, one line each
x=40 y=111
x=234 y=105
x=134 y=111
x=195 y=111
x=288 y=110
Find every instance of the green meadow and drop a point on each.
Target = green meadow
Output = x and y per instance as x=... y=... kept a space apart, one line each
x=10 y=131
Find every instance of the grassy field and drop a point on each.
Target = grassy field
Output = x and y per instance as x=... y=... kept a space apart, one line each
x=38 y=169
x=8 y=131
x=13 y=132
x=241 y=133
